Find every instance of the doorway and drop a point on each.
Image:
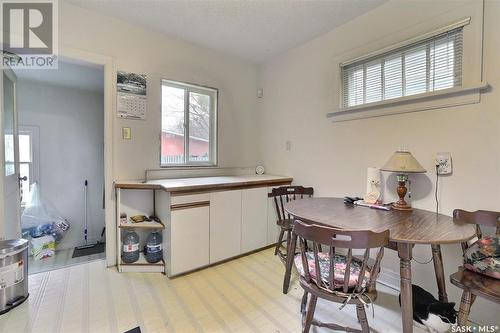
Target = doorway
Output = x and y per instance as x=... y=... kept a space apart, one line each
x=60 y=141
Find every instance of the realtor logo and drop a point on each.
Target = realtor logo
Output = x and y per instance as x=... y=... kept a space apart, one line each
x=29 y=36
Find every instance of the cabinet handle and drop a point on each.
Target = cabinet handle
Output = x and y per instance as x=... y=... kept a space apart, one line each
x=190 y=205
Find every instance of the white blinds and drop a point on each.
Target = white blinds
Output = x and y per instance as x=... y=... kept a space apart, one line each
x=429 y=65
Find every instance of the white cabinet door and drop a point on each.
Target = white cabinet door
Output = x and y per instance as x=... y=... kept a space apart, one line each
x=253 y=219
x=273 y=230
x=190 y=232
x=225 y=225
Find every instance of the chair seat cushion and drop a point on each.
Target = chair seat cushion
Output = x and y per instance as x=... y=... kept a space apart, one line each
x=483 y=257
x=339 y=272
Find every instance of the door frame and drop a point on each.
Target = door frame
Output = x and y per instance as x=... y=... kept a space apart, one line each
x=109 y=104
x=9 y=73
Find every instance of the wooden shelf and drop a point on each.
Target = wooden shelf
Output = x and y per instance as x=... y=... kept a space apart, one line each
x=144 y=225
x=141 y=265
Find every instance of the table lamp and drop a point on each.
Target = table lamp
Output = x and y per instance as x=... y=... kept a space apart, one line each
x=402 y=163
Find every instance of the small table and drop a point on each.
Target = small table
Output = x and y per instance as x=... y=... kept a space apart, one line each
x=406 y=229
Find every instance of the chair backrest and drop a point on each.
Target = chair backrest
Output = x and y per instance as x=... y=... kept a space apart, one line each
x=286 y=194
x=335 y=239
x=480 y=218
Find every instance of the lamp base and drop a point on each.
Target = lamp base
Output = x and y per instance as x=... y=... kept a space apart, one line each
x=399 y=206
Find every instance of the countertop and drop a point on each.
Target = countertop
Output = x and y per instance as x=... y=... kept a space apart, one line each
x=205 y=184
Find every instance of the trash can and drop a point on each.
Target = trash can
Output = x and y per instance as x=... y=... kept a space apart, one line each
x=13 y=273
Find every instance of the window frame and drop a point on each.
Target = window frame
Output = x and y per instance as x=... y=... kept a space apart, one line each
x=401 y=50
x=34 y=165
x=473 y=81
x=213 y=125
x=470 y=85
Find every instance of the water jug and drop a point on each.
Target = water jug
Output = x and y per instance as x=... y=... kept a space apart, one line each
x=154 y=251
x=130 y=251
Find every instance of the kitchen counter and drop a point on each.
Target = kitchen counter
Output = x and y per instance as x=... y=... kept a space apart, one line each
x=179 y=186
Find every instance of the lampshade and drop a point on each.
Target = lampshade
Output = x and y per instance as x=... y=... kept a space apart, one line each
x=403 y=162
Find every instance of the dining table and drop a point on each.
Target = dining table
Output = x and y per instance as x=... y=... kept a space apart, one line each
x=406 y=227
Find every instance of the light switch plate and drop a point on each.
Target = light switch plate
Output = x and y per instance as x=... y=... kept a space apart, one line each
x=443 y=160
x=126 y=133
x=260 y=93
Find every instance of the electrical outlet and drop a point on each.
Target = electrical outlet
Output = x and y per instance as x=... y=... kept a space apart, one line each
x=443 y=160
x=288 y=145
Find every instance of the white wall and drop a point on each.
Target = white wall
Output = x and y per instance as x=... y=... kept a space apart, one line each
x=135 y=49
x=159 y=56
x=300 y=88
x=71 y=141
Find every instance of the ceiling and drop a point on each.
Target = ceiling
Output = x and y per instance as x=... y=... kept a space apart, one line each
x=255 y=30
x=72 y=74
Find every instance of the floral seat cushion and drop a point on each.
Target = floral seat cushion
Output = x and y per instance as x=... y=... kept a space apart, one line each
x=339 y=272
x=484 y=257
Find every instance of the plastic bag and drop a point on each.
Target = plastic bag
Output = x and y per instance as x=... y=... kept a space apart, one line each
x=43 y=247
x=40 y=218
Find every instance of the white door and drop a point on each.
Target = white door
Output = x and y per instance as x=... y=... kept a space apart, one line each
x=189 y=237
x=225 y=225
x=11 y=222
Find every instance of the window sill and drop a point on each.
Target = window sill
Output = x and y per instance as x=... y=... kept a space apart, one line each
x=421 y=102
x=187 y=166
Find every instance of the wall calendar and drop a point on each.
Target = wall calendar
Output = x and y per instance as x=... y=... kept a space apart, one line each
x=131 y=95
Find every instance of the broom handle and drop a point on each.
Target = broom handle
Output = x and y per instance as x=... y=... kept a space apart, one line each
x=85 y=214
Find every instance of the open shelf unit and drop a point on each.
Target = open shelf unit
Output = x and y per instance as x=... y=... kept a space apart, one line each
x=142 y=265
x=134 y=202
x=144 y=225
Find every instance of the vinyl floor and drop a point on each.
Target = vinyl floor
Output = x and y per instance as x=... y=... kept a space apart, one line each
x=62 y=258
x=242 y=295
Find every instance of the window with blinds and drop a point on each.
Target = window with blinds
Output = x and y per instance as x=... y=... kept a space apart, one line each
x=429 y=65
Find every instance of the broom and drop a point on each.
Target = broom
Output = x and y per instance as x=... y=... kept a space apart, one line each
x=85 y=223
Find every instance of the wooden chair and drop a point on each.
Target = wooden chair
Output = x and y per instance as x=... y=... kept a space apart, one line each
x=351 y=282
x=474 y=284
x=282 y=195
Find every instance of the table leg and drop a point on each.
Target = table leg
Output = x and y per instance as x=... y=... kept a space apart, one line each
x=439 y=271
x=290 y=253
x=404 y=253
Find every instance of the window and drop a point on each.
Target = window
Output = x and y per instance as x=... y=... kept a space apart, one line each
x=428 y=65
x=25 y=165
x=9 y=154
x=188 y=124
x=28 y=156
